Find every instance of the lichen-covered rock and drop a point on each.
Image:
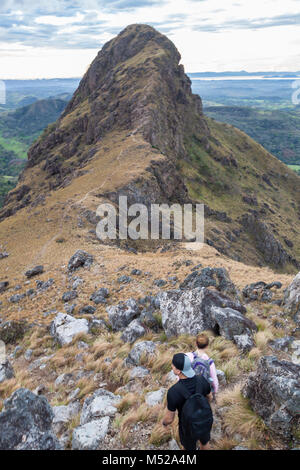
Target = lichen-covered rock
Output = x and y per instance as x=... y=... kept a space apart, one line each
x=214 y=277
x=89 y=435
x=195 y=310
x=63 y=415
x=65 y=327
x=34 y=271
x=274 y=394
x=260 y=291
x=155 y=398
x=142 y=349
x=100 y=296
x=80 y=259
x=101 y=403
x=25 y=423
x=292 y=299
x=6 y=371
x=3 y=286
x=122 y=314
x=139 y=372
x=133 y=331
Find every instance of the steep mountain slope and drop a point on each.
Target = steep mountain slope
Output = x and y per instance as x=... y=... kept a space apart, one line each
x=134 y=127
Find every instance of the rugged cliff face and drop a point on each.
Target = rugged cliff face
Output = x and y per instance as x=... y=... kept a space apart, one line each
x=134 y=127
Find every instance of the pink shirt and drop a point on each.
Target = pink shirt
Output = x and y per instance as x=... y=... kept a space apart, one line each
x=213 y=372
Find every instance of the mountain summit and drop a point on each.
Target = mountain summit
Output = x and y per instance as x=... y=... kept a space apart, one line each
x=134 y=127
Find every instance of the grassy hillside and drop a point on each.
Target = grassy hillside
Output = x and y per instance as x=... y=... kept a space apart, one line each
x=18 y=129
x=276 y=130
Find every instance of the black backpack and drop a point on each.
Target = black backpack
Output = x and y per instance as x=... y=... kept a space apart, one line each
x=196 y=414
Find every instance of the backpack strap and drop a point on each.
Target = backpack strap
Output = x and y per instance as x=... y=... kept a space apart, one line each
x=198 y=385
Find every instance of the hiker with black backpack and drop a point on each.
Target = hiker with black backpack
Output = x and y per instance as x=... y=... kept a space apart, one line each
x=202 y=364
x=191 y=396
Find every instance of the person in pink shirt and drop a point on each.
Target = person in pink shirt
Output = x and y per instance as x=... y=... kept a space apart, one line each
x=202 y=342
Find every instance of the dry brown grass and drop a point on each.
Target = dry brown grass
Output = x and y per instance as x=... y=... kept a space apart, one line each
x=239 y=418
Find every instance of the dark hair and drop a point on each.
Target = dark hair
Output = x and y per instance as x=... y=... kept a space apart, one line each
x=202 y=341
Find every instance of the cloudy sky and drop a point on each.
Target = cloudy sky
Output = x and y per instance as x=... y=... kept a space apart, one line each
x=59 y=38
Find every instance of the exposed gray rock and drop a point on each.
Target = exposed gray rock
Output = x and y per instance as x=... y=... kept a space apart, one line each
x=133 y=331
x=292 y=299
x=63 y=415
x=70 y=295
x=63 y=379
x=90 y=435
x=122 y=314
x=221 y=377
x=34 y=271
x=155 y=398
x=87 y=309
x=44 y=285
x=124 y=279
x=100 y=296
x=210 y=277
x=295 y=347
x=65 y=327
x=274 y=394
x=173 y=445
x=16 y=298
x=260 y=291
x=195 y=310
x=25 y=423
x=281 y=344
x=139 y=372
x=28 y=354
x=3 y=254
x=80 y=259
x=149 y=321
x=3 y=286
x=144 y=348
x=101 y=403
x=159 y=282
x=6 y=371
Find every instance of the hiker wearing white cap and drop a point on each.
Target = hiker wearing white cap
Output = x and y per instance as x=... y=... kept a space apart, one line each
x=190 y=396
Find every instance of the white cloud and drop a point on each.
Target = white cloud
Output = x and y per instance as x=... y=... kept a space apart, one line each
x=210 y=35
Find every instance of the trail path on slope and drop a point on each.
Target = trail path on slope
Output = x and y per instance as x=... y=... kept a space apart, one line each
x=70 y=206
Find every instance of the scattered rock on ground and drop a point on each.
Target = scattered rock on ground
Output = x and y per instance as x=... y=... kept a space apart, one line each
x=80 y=259
x=274 y=394
x=25 y=423
x=90 y=435
x=65 y=327
x=34 y=271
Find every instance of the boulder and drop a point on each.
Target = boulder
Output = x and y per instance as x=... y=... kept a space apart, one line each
x=64 y=327
x=89 y=435
x=80 y=259
x=195 y=310
x=122 y=314
x=6 y=371
x=214 y=277
x=260 y=291
x=3 y=286
x=63 y=415
x=139 y=372
x=133 y=331
x=70 y=295
x=25 y=423
x=34 y=271
x=281 y=344
x=144 y=348
x=155 y=398
x=274 y=394
x=100 y=296
x=101 y=403
x=291 y=301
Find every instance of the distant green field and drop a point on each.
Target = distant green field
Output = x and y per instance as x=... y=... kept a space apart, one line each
x=294 y=167
x=14 y=145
